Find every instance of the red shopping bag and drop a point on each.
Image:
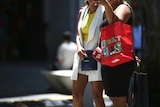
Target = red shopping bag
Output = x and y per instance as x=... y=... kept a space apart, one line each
x=116 y=44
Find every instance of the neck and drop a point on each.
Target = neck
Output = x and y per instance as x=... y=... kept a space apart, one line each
x=92 y=9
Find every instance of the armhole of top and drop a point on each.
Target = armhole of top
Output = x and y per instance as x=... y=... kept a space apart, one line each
x=132 y=13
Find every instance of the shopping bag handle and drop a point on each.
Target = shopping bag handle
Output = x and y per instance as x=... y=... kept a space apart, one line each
x=138 y=61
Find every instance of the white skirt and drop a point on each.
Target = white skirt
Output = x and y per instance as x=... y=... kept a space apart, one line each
x=94 y=75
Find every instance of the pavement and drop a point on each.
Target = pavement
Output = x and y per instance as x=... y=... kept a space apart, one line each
x=19 y=78
x=22 y=85
x=38 y=100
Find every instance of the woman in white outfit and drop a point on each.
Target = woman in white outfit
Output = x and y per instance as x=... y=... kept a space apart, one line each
x=89 y=20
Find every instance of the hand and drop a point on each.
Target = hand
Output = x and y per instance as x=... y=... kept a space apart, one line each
x=138 y=59
x=102 y=2
x=82 y=53
x=95 y=2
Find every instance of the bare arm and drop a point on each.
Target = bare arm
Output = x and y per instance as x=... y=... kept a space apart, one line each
x=121 y=13
x=80 y=49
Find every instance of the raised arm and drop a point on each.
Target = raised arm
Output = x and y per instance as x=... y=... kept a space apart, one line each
x=116 y=11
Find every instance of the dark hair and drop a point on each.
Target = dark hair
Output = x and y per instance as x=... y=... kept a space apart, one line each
x=86 y=2
x=66 y=36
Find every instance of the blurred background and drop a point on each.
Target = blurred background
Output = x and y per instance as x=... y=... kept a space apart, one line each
x=30 y=32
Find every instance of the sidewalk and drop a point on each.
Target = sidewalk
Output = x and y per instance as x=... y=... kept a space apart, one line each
x=19 y=78
x=43 y=100
x=22 y=85
x=38 y=100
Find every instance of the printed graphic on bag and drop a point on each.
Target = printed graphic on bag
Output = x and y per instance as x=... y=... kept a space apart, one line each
x=116 y=44
x=111 y=46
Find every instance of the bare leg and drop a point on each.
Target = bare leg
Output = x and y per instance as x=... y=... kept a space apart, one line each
x=97 y=90
x=78 y=88
x=119 y=101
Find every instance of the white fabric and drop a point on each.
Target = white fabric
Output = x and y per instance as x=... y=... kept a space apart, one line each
x=66 y=53
x=91 y=44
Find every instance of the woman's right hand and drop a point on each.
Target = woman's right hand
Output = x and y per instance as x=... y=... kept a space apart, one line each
x=81 y=52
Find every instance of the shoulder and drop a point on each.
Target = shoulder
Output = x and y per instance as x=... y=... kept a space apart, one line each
x=125 y=7
x=63 y=45
x=73 y=44
x=123 y=10
x=82 y=8
x=123 y=13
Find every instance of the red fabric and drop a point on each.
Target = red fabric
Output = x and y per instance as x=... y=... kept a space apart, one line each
x=97 y=54
x=116 y=44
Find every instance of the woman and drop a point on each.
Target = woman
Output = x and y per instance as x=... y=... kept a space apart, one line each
x=89 y=20
x=116 y=79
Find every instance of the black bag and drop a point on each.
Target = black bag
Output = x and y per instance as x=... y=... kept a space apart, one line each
x=88 y=63
x=138 y=90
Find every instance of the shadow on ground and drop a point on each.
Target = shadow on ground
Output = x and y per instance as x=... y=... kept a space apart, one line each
x=19 y=78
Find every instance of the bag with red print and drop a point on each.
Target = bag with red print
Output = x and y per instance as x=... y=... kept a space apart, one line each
x=115 y=45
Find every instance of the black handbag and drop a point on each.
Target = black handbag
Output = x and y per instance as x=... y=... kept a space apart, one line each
x=88 y=63
x=138 y=89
